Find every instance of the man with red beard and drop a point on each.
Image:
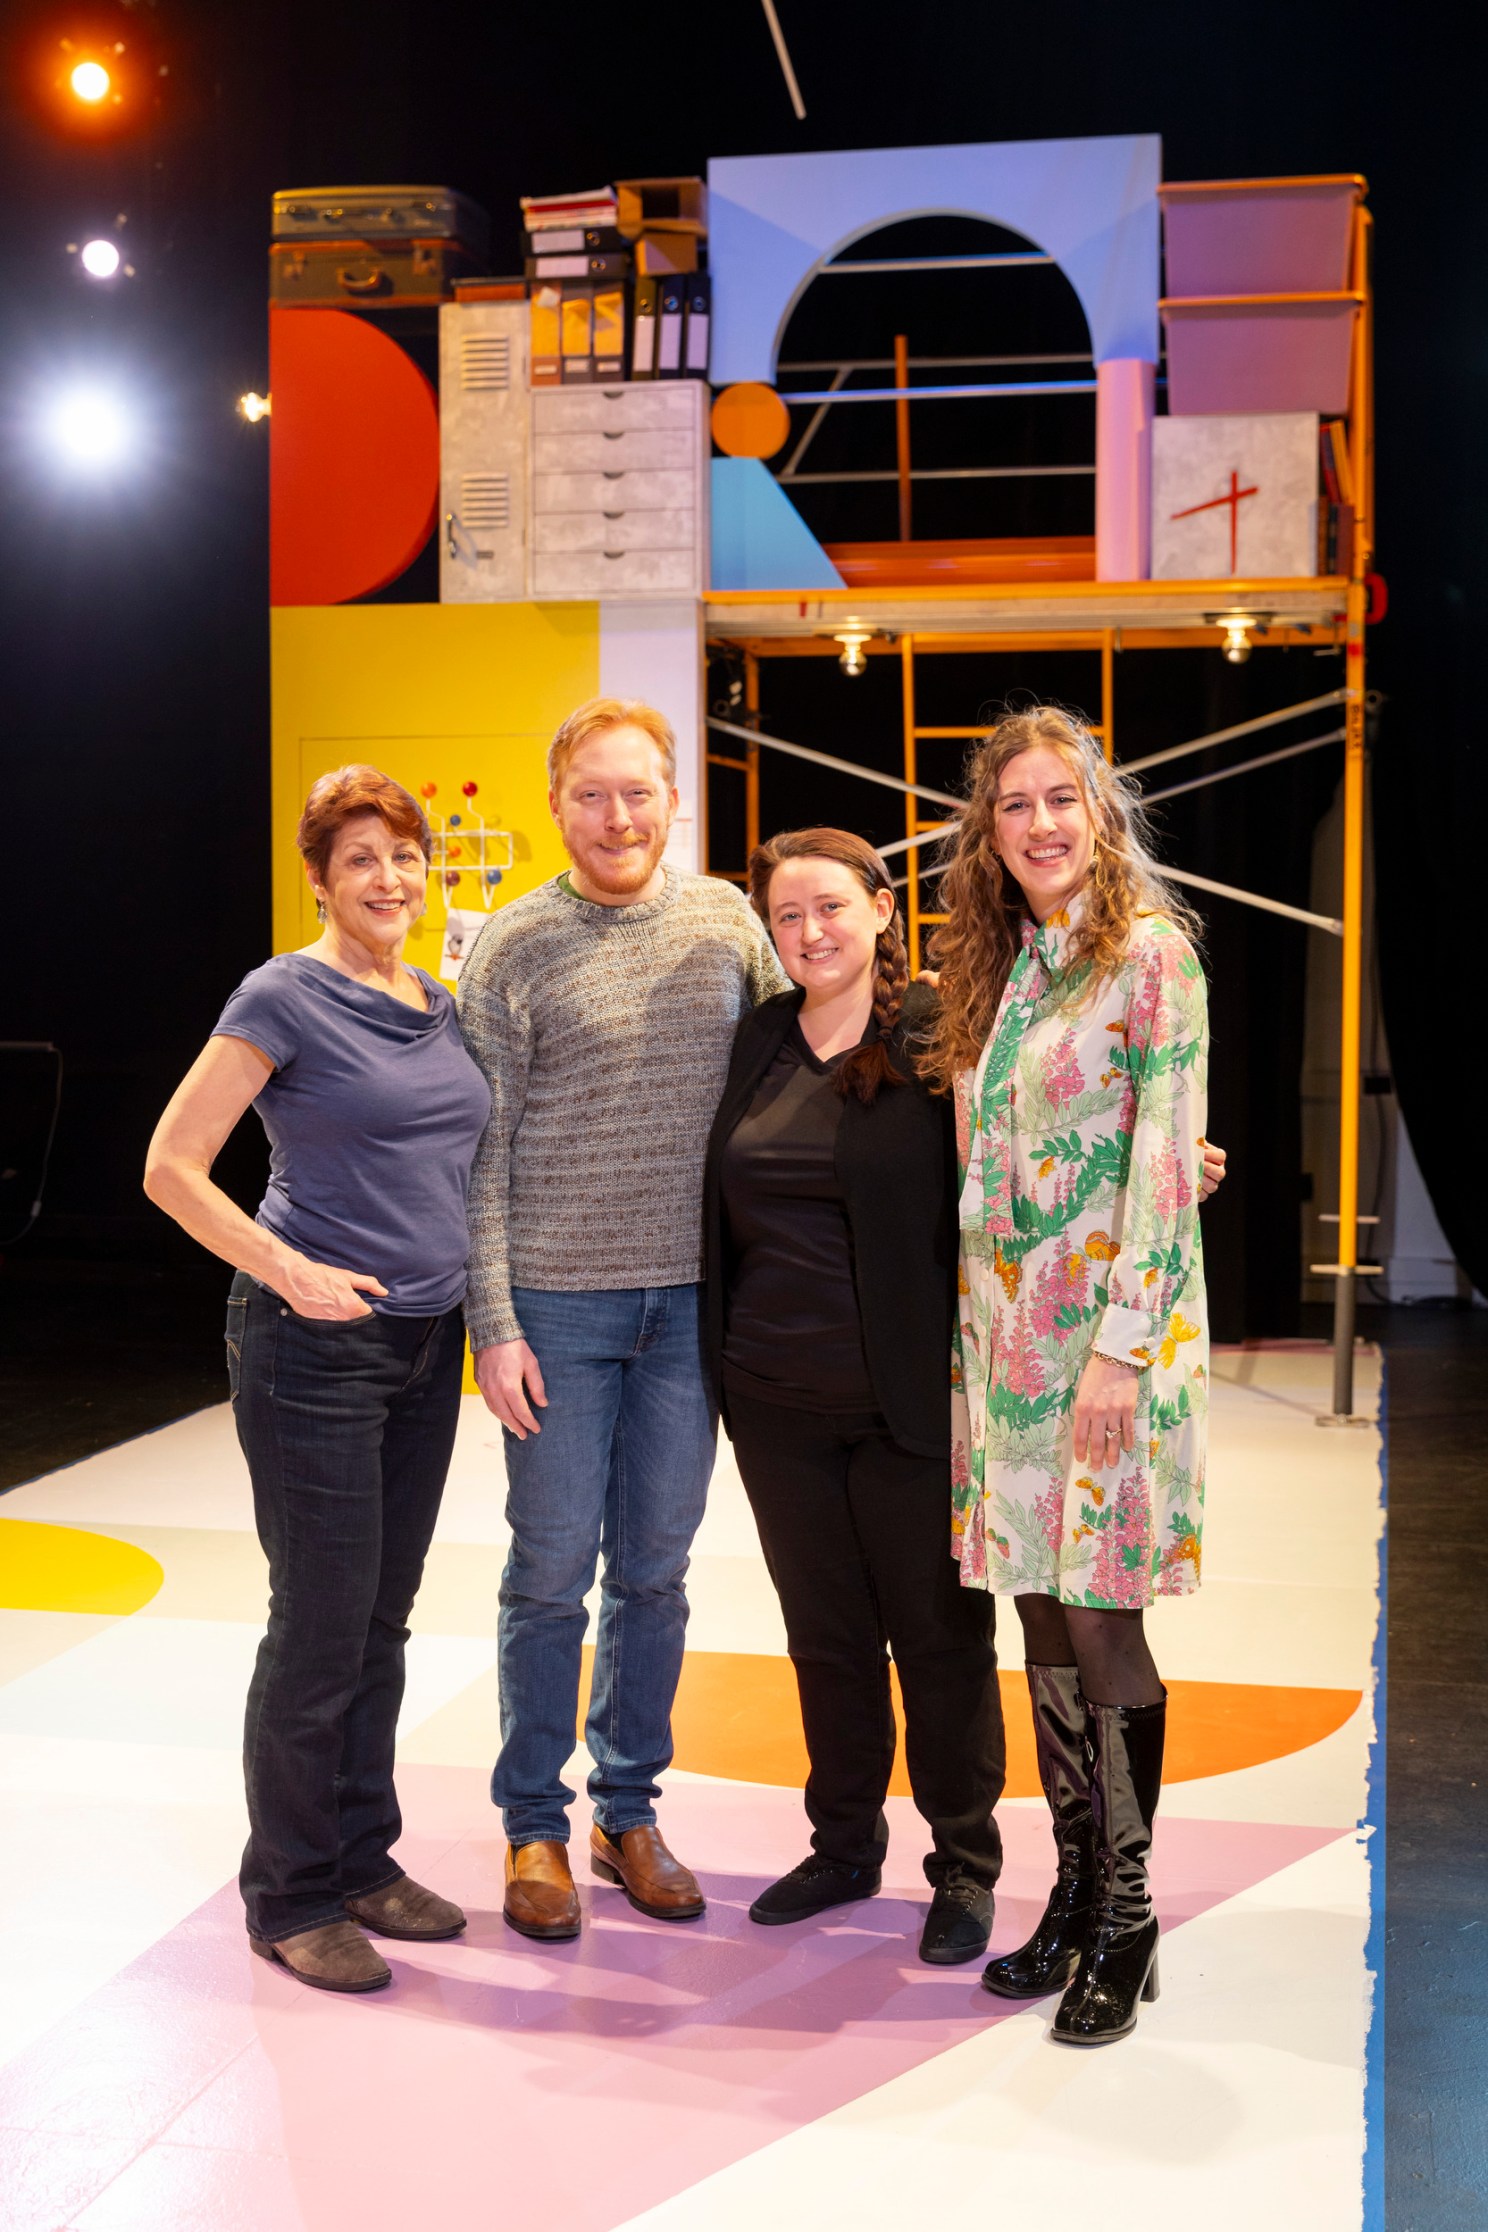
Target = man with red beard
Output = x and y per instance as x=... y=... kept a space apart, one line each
x=602 y=1008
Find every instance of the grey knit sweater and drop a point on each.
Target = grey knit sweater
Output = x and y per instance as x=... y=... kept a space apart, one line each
x=605 y=1035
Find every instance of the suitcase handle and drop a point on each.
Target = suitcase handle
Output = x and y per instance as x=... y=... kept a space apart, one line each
x=376 y=282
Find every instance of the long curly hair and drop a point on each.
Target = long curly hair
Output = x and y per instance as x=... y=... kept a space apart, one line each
x=975 y=948
x=869 y=1066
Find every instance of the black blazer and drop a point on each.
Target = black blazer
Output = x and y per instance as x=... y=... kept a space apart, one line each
x=896 y=1163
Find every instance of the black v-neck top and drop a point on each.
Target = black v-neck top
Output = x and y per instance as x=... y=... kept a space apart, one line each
x=793 y=1332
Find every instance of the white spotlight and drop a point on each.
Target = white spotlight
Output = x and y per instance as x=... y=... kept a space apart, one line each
x=100 y=259
x=89 y=427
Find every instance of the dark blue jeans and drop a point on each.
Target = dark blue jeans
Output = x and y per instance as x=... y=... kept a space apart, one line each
x=348 y=1430
x=619 y=1475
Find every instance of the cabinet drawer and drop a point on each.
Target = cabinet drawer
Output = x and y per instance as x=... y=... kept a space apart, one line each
x=602 y=410
x=615 y=530
x=614 y=491
x=647 y=450
x=612 y=573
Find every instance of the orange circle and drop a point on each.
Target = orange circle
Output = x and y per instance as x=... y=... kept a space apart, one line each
x=750 y=420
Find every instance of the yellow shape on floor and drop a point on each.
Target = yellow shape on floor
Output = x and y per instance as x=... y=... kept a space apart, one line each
x=737 y=1716
x=65 y=1569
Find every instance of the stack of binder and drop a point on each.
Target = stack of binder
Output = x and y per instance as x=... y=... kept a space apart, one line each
x=578 y=269
x=617 y=282
x=667 y=220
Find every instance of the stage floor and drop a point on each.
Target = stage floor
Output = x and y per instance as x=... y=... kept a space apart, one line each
x=154 y=2076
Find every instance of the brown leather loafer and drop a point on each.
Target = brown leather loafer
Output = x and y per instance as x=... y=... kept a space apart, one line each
x=651 y=1879
x=404 y=1909
x=334 y=1958
x=540 y=1899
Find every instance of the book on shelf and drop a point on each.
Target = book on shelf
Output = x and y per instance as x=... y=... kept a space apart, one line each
x=643 y=328
x=1335 y=435
x=545 y=335
x=597 y=208
x=576 y=324
x=579 y=266
x=573 y=240
x=695 y=336
x=671 y=312
x=609 y=332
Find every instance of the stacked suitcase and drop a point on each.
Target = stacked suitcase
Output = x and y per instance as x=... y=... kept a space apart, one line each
x=373 y=247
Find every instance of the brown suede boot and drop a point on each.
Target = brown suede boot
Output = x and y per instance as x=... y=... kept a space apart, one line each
x=651 y=1879
x=540 y=1899
x=404 y=1909
x=334 y=1958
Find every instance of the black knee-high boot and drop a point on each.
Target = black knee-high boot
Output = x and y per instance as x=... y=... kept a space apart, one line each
x=1049 y=1959
x=1119 y=1964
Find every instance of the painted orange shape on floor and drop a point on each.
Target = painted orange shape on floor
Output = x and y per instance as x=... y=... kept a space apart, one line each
x=737 y=1717
x=66 y=1569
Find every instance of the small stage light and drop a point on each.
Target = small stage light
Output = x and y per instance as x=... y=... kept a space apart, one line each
x=852 y=640
x=1236 y=645
x=101 y=259
x=90 y=81
x=254 y=407
x=89 y=426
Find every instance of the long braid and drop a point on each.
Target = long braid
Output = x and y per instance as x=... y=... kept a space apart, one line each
x=868 y=1067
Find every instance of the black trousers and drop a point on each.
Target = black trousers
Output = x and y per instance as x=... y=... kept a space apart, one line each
x=856 y=1534
x=348 y=1430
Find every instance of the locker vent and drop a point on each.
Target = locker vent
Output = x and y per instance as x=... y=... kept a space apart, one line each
x=485 y=502
x=485 y=361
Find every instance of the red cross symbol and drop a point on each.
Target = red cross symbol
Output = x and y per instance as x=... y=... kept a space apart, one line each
x=1234 y=499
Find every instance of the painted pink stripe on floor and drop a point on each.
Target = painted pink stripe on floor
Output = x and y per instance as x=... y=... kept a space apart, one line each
x=582 y=2083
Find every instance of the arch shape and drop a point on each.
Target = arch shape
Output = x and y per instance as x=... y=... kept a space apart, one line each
x=866 y=231
x=1091 y=204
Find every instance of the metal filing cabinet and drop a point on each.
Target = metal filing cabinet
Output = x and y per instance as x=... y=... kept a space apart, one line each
x=484 y=450
x=619 y=491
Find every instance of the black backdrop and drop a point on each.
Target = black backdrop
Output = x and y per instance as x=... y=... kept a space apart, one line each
x=133 y=686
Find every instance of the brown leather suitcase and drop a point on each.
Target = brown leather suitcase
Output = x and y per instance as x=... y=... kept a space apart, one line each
x=379 y=274
x=380 y=213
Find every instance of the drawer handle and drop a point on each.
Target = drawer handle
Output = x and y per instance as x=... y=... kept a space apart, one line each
x=613 y=476
x=613 y=395
x=614 y=515
x=614 y=554
x=613 y=434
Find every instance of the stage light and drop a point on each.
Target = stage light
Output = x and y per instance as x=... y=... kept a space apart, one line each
x=100 y=259
x=89 y=426
x=1236 y=645
x=854 y=659
x=90 y=81
x=254 y=407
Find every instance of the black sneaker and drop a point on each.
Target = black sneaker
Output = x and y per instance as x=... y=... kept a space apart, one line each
x=959 y=1923
x=813 y=1886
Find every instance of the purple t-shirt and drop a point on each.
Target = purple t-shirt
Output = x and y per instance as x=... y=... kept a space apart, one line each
x=374 y=1113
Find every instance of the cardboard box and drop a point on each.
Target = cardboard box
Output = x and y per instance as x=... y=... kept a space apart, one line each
x=678 y=205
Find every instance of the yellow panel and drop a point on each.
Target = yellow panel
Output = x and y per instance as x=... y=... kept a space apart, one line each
x=429 y=693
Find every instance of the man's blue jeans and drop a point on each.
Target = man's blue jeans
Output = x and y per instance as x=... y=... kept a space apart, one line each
x=618 y=1473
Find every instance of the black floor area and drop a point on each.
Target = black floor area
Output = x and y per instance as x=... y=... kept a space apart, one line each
x=93 y=1352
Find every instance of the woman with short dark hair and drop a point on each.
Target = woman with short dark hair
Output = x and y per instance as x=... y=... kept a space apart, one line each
x=345 y=1343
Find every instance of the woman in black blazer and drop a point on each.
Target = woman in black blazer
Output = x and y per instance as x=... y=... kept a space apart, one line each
x=831 y=1252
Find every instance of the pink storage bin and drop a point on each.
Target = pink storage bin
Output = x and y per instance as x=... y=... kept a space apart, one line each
x=1290 y=236
x=1291 y=356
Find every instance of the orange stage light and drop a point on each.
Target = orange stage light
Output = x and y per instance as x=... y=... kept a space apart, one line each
x=90 y=81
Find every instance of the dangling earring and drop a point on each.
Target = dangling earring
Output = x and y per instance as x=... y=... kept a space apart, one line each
x=320 y=913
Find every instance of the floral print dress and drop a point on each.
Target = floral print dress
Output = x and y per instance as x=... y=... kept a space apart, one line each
x=1080 y=1139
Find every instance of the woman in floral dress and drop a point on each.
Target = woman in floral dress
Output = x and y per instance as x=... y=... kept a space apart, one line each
x=1072 y=1030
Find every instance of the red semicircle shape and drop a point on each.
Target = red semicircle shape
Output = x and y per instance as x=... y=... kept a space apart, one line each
x=353 y=458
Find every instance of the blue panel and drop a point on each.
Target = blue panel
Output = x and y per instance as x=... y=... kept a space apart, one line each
x=1089 y=203
x=760 y=540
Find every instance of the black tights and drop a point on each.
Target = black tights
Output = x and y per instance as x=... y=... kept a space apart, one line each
x=1109 y=1648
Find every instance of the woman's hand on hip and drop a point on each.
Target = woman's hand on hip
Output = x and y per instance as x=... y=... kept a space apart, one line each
x=1105 y=1412
x=319 y=1290
x=1211 y=1174
x=510 y=1378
